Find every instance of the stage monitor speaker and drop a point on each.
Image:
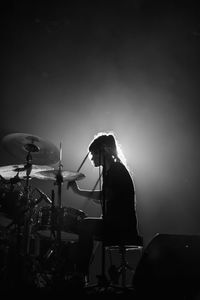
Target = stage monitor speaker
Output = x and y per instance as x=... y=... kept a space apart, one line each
x=169 y=266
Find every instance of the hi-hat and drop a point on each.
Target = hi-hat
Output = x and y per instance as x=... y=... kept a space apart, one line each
x=10 y=171
x=42 y=151
x=53 y=175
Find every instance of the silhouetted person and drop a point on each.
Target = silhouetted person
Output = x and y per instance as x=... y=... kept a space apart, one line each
x=116 y=197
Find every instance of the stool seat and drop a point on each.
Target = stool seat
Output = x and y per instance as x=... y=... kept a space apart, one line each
x=123 y=239
x=126 y=247
x=134 y=241
x=121 y=244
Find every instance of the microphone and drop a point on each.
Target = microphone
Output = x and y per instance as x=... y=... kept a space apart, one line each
x=44 y=196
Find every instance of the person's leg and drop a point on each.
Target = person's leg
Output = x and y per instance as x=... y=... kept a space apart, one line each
x=87 y=228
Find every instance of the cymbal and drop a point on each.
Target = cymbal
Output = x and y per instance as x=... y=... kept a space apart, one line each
x=42 y=151
x=52 y=175
x=10 y=171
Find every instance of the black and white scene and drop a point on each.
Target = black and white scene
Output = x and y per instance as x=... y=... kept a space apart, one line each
x=99 y=149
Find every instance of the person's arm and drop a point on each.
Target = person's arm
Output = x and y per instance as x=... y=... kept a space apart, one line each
x=94 y=195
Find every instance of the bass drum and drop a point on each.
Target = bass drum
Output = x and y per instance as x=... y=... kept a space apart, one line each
x=65 y=219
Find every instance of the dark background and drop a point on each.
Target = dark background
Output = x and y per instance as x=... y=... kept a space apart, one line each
x=69 y=71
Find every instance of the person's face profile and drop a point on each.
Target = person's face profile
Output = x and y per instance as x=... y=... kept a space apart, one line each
x=95 y=158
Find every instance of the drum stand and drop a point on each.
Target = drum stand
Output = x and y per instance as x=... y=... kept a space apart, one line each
x=56 y=211
x=28 y=206
x=57 y=273
x=59 y=181
x=19 y=259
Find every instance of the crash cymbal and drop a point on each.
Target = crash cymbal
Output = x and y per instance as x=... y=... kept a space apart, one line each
x=52 y=175
x=42 y=152
x=10 y=171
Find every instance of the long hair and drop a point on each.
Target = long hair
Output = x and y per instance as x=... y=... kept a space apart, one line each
x=108 y=140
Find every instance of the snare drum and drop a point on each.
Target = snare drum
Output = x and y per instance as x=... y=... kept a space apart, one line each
x=65 y=219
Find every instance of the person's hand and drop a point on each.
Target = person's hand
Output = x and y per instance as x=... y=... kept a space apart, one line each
x=73 y=185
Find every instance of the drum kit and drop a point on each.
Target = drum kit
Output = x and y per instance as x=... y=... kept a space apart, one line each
x=37 y=233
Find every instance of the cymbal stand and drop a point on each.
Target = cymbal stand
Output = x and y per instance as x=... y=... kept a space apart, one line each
x=30 y=147
x=59 y=182
x=27 y=215
x=23 y=260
